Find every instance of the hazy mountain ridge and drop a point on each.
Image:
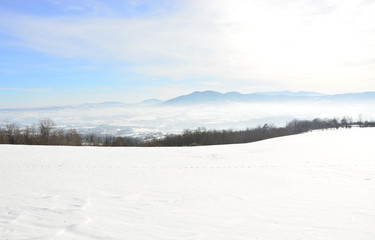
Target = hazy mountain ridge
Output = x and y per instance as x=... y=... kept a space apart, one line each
x=211 y=97
x=209 y=109
x=216 y=97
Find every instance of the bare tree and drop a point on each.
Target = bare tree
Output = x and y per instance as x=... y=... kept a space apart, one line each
x=45 y=129
x=73 y=138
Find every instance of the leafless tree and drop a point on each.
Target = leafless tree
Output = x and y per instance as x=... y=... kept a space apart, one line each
x=45 y=128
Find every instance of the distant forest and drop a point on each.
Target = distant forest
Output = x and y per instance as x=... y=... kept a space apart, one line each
x=46 y=133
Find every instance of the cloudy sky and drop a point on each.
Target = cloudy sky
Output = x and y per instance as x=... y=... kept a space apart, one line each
x=56 y=52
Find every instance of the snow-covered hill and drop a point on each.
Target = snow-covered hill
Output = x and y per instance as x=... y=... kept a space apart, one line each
x=318 y=185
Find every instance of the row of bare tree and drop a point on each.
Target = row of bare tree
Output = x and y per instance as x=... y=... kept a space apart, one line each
x=214 y=137
x=46 y=133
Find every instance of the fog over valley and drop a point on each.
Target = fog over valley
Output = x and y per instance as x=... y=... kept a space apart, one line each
x=209 y=109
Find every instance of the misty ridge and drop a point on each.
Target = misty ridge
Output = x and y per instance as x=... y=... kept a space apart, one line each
x=199 y=118
x=209 y=109
x=281 y=96
x=212 y=97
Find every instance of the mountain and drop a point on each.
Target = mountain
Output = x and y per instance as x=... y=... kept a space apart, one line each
x=292 y=94
x=202 y=97
x=151 y=101
x=212 y=97
x=210 y=109
x=230 y=97
x=102 y=104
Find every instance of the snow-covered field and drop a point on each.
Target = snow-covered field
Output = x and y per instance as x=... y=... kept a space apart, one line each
x=317 y=185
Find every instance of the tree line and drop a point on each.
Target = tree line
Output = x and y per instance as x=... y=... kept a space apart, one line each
x=46 y=133
x=202 y=136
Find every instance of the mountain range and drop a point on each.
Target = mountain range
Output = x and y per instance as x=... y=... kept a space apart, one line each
x=209 y=109
x=283 y=96
x=213 y=97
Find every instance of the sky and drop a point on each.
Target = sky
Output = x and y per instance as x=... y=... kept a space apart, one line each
x=59 y=52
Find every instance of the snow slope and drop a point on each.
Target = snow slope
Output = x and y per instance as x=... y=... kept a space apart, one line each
x=318 y=185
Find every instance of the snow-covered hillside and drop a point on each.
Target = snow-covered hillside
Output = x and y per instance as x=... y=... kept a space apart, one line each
x=318 y=185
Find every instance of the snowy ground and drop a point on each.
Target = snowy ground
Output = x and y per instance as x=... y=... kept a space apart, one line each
x=317 y=185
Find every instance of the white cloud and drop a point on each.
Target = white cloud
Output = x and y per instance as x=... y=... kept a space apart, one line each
x=295 y=44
